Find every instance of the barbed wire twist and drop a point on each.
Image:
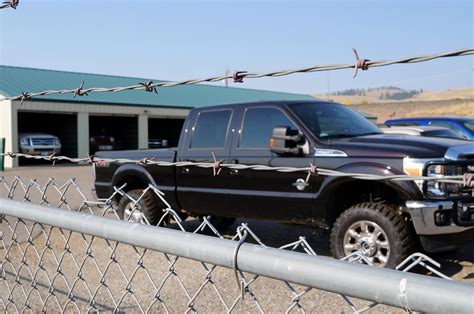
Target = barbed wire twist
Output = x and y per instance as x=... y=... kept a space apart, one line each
x=9 y=4
x=239 y=76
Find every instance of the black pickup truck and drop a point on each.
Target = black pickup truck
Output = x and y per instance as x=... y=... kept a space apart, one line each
x=384 y=220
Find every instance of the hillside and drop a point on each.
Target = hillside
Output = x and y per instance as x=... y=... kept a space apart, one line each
x=424 y=103
x=378 y=95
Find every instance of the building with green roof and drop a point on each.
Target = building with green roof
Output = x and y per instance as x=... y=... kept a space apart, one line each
x=133 y=117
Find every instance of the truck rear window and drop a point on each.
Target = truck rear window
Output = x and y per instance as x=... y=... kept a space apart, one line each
x=211 y=128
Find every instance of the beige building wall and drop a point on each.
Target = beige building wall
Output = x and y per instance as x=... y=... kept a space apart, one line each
x=82 y=134
x=142 y=131
x=9 y=130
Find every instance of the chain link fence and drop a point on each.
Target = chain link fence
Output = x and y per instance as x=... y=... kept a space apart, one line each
x=46 y=267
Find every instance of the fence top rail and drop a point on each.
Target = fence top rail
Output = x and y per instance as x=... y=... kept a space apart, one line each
x=401 y=289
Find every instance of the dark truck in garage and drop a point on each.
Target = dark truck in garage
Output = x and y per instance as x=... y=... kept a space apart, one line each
x=385 y=220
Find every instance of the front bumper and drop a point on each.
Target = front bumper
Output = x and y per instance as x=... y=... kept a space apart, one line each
x=444 y=223
x=424 y=217
x=40 y=150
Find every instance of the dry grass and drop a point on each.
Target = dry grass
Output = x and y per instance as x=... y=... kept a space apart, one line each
x=466 y=109
x=373 y=97
x=397 y=110
x=459 y=93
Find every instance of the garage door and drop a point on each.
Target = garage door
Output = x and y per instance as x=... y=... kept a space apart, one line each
x=64 y=126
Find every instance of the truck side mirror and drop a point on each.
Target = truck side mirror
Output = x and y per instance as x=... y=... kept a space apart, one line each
x=284 y=141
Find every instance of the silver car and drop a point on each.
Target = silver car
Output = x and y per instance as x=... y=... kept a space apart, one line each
x=39 y=144
x=430 y=131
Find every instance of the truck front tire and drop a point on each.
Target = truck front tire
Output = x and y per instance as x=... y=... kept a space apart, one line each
x=377 y=230
x=145 y=210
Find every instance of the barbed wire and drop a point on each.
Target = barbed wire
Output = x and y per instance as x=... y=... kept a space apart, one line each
x=239 y=76
x=466 y=179
x=9 y=4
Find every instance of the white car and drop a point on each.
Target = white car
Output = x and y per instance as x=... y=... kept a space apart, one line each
x=39 y=144
x=430 y=131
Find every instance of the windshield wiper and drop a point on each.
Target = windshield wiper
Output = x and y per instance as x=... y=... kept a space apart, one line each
x=369 y=133
x=348 y=135
x=333 y=136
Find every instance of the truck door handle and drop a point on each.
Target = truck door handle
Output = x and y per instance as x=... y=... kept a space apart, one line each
x=234 y=172
x=185 y=170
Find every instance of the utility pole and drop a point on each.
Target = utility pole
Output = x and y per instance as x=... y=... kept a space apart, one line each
x=327 y=84
x=226 y=83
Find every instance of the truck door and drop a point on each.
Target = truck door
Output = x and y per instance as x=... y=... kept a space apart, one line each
x=198 y=190
x=267 y=194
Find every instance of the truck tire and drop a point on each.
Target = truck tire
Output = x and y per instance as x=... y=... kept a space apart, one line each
x=377 y=230
x=147 y=208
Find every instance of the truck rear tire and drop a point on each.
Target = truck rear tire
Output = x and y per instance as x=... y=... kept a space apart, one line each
x=146 y=210
x=377 y=230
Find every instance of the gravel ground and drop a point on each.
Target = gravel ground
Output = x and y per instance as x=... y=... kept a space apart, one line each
x=109 y=280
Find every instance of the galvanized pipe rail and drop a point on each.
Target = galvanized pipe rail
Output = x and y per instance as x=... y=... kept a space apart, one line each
x=395 y=288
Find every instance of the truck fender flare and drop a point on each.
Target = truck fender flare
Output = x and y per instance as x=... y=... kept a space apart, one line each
x=132 y=170
x=406 y=189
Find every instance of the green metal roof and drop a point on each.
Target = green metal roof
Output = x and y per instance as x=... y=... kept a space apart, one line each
x=14 y=80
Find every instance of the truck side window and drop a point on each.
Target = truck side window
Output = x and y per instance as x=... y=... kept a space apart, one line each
x=211 y=128
x=258 y=126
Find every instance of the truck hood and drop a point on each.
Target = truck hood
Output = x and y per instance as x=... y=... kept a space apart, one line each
x=396 y=145
x=34 y=135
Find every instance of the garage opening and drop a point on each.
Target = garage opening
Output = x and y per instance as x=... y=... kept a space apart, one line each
x=164 y=132
x=112 y=133
x=37 y=132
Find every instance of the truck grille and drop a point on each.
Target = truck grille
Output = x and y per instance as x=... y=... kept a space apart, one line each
x=450 y=191
x=42 y=141
x=459 y=191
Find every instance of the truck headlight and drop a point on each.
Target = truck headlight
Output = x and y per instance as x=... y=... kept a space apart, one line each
x=443 y=189
x=414 y=167
x=25 y=141
x=435 y=188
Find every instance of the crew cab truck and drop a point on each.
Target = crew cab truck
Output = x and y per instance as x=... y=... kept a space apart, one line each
x=384 y=220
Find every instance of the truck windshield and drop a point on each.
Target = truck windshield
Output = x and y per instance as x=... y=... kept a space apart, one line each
x=330 y=120
x=470 y=125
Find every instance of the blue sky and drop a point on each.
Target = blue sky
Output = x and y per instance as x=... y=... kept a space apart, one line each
x=175 y=40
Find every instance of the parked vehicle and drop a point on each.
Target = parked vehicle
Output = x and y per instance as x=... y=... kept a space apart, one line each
x=102 y=141
x=430 y=131
x=463 y=126
x=382 y=219
x=39 y=144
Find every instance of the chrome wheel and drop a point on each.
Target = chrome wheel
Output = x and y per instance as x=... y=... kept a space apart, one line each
x=133 y=213
x=368 y=238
